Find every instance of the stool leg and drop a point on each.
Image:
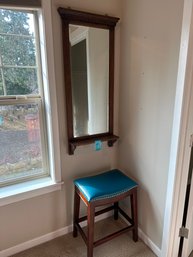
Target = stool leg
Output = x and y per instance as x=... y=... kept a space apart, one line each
x=116 y=205
x=134 y=215
x=90 y=237
x=76 y=212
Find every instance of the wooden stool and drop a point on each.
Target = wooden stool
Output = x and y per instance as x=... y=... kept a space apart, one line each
x=107 y=188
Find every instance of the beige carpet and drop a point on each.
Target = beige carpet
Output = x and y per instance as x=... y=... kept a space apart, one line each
x=67 y=246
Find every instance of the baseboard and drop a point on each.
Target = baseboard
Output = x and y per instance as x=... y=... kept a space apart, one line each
x=149 y=243
x=63 y=231
x=34 y=242
x=45 y=238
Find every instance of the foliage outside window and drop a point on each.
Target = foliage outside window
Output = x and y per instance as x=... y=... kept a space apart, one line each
x=23 y=154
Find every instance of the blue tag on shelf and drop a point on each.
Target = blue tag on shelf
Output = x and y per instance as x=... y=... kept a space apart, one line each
x=98 y=145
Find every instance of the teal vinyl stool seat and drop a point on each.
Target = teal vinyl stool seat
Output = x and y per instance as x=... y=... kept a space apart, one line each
x=107 y=188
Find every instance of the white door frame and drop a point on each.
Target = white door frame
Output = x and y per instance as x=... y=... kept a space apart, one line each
x=180 y=152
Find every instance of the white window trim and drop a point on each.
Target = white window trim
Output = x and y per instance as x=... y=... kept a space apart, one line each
x=26 y=190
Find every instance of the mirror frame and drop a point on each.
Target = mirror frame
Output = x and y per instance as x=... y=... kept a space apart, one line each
x=75 y=17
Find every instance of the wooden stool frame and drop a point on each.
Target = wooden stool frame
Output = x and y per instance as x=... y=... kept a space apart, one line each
x=89 y=238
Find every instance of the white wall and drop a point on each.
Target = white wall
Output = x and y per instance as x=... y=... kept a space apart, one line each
x=149 y=53
x=149 y=57
x=99 y=79
x=32 y=218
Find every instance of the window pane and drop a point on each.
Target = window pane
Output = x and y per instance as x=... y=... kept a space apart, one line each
x=17 y=50
x=16 y=22
x=21 y=81
x=20 y=143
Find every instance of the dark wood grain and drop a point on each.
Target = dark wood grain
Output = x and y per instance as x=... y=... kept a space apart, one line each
x=69 y=16
x=85 y=18
x=89 y=237
x=76 y=212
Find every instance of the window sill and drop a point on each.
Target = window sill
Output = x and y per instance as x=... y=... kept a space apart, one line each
x=26 y=190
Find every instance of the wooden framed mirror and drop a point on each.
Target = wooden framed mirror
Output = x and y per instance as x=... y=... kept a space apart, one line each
x=88 y=49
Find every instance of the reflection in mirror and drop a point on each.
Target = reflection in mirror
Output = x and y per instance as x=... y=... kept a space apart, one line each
x=89 y=53
x=88 y=49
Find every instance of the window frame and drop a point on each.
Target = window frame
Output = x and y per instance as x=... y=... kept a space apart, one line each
x=25 y=99
x=11 y=194
x=30 y=99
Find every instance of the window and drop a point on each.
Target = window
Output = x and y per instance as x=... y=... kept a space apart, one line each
x=23 y=127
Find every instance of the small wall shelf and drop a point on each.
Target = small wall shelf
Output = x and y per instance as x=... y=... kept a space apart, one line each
x=73 y=143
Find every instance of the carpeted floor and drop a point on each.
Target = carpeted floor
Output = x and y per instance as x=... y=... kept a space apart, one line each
x=67 y=246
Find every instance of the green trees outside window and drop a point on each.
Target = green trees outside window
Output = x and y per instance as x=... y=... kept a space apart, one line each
x=18 y=65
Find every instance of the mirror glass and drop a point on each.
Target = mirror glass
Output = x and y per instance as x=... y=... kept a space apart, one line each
x=89 y=58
